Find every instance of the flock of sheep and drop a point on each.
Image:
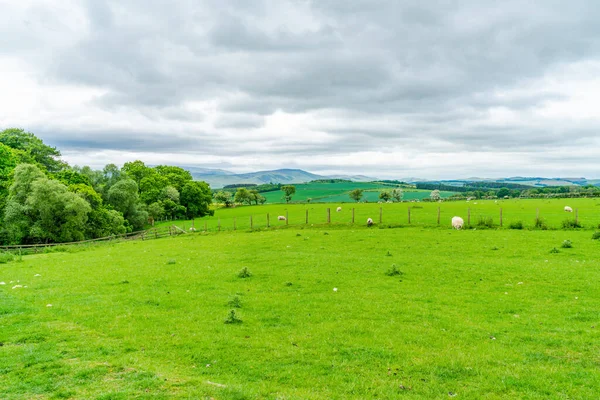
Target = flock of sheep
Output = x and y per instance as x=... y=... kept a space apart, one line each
x=457 y=222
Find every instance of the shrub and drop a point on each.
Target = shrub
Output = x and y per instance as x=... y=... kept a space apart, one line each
x=6 y=257
x=571 y=224
x=516 y=225
x=539 y=223
x=288 y=284
x=485 y=222
x=232 y=318
x=596 y=236
x=394 y=271
x=235 y=302
x=566 y=244
x=388 y=254
x=554 y=250
x=244 y=273
x=171 y=262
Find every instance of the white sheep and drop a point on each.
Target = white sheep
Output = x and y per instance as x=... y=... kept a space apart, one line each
x=457 y=222
x=369 y=221
x=338 y=209
x=568 y=209
x=281 y=218
x=192 y=229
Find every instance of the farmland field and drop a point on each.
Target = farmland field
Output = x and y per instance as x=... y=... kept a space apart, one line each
x=423 y=214
x=338 y=192
x=417 y=313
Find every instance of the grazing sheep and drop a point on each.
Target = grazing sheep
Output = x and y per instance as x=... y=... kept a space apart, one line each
x=192 y=229
x=457 y=222
x=568 y=209
x=339 y=209
x=281 y=218
x=369 y=221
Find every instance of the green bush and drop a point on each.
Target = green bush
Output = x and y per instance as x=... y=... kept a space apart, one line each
x=566 y=244
x=394 y=271
x=244 y=273
x=485 y=222
x=232 y=318
x=516 y=225
x=571 y=224
x=539 y=223
x=554 y=250
x=235 y=302
x=6 y=257
x=596 y=236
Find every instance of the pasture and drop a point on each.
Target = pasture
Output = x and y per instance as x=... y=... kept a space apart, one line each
x=339 y=192
x=418 y=313
x=422 y=214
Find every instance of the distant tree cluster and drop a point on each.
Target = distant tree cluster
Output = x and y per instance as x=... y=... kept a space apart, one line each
x=331 y=181
x=44 y=200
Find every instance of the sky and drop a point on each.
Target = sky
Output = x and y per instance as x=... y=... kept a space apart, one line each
x=433 y=89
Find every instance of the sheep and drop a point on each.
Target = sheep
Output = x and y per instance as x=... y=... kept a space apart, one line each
x=281 y=218
x=457 y=222
x=369 y=221
x=568 y=209
x=338 y=209
x=192 y=229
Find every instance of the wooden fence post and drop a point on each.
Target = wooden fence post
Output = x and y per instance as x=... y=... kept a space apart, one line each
x=353 y=215
x=380 y=215
x=409 y=215
x=438 y=219
x=268 y=224
x=251 y=225
x=501 y=217
x=328 y=215
x=286 y=217
x=219 y=224
x=537 y=214
x=469 y=216
x=576 y=215
x=307 y=216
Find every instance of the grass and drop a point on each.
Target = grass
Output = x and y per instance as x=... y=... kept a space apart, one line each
x=477 y=313
x=339 y=192
x=424 y=214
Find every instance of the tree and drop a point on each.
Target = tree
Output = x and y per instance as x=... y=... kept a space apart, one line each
x=123 y=196
x=356 y=195
x=151 y=187
x=385 y=195
x=196 y=198
x=155 y=211
x=242 y=196
x=288 y=192
x=503 y=192
x=397 y=194
x=175 y=176
x=46 y=212
x=136 y=170
x=46 y=156
x=435 y=195
x=224 y=197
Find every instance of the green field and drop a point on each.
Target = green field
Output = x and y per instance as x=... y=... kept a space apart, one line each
x=479 y=313
x=423 y=214
x=338 y=192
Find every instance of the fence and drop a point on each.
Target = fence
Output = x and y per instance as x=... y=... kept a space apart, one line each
x=153 y=233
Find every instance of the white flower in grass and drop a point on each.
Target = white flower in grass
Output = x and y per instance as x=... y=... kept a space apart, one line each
x=48 y=305
x=335 y=289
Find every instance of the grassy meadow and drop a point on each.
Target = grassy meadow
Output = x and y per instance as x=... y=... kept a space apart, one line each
x=339 y=192
x=328 y=312
x=422 y=214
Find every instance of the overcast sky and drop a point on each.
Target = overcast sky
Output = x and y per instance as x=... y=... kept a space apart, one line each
x=433 y=89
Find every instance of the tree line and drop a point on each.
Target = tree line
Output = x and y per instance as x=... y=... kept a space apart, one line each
x=45 y=200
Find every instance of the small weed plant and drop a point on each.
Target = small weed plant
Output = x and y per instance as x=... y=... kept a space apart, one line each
x=554 y=250
x=171 y=262
x=394 y=271
x=235 y=302
x=232 y=318
x=244 y=273
x=539 y=223
x=6 y=257
x=566 y=244
x=596 y=236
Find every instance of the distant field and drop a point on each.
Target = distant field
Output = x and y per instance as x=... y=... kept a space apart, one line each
x=338 y=192
x=423 y=214
x=329 y=313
